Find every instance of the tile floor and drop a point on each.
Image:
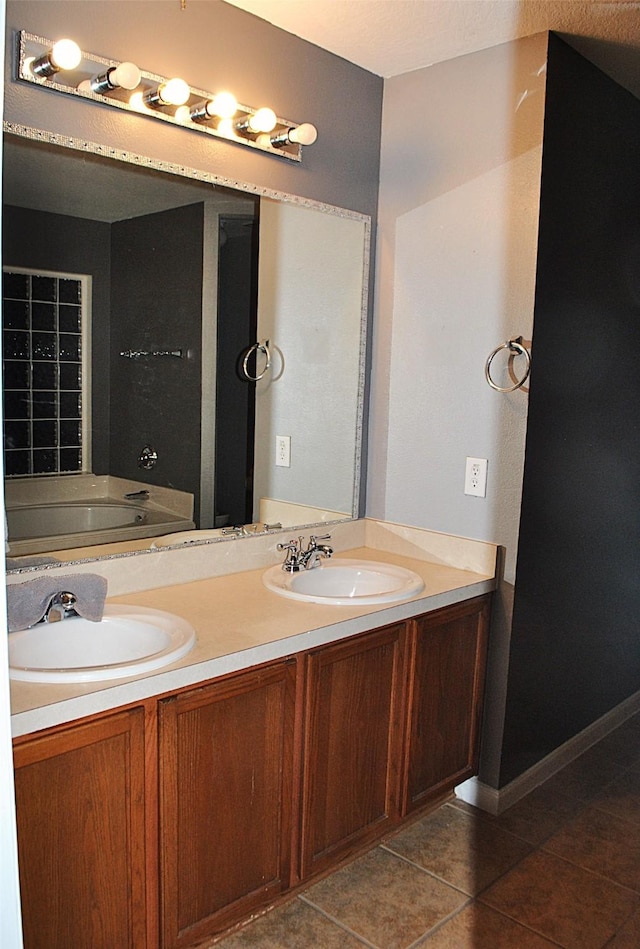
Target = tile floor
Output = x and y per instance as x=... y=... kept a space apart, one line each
x=560 y=868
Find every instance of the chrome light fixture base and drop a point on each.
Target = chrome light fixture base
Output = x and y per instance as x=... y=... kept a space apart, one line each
x=86 y=81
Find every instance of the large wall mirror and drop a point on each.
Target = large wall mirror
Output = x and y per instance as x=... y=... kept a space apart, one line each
x=179 y=355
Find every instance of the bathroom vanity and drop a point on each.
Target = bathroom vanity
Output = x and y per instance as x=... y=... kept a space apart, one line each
x=169 y=808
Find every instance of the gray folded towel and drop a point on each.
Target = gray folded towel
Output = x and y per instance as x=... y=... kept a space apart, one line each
x=28 y=602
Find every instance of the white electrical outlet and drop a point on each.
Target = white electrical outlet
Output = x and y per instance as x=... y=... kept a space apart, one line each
x=475 y=477
x=283 y=451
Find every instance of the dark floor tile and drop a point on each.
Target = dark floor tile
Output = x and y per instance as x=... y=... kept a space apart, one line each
x=565 y=903
x=628 y=937
x=535 y=817
x=467 y=852
x=479 y=927
x=622 y=797
x=384 y=899
x=294 y=926
x=602 y=843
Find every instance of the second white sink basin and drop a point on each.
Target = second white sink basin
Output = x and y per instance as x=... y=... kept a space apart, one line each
x=344 y=582
x=129 y=640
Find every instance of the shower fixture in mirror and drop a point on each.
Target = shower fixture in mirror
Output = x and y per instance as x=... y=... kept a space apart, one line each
x=178 y=281
x=62 y=66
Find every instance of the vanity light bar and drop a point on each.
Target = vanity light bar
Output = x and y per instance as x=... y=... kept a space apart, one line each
x=125 y=86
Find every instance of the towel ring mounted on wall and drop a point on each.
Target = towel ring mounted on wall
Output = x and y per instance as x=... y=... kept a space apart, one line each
x=515 y=347
x=262 y=347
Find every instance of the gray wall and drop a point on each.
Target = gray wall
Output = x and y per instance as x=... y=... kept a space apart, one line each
x=213 y=45
x=459 y=201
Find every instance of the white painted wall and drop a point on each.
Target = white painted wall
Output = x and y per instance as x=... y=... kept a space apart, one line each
x=458 y=214
x=310 y=276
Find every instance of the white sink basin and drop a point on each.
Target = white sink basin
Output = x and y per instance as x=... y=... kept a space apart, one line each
x=128 y=641
x=345 y=583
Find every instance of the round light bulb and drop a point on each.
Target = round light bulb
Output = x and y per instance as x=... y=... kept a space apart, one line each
x=182 y=114
x=65 y=54
x=174 y=92
x=226 y=127
x=136 y=101
x=223 y=104
x=125 y=76
x=304 y=134
x=264 y=120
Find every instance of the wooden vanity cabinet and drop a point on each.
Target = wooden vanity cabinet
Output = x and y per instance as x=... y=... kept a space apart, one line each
x=352 y=729
x=80 y=802
x=254 y=783
x=447 y=659
x=226 y=792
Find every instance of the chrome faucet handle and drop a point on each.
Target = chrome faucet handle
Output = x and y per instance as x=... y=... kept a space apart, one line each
x=61 y=604
x=316 y=537
x=294 y=554
x=290 y=545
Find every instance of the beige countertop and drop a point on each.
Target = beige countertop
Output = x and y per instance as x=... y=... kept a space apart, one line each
x=239 y=624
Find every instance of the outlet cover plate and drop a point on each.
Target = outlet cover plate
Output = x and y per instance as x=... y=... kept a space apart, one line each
x=475 y=477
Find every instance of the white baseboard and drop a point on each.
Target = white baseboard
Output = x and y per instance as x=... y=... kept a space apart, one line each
x=495 y=801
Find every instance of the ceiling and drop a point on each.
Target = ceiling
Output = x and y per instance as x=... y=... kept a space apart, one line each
x=390 y=37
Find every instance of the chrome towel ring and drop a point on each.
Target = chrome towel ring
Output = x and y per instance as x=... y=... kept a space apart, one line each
x=515 y=347
x=262 y=347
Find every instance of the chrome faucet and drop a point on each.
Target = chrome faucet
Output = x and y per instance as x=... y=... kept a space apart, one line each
x=61 y=606
x=300 y=559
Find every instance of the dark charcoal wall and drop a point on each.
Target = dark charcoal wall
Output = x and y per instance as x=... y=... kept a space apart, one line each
x=156 y=305
x=57 y=242
x=575 y=651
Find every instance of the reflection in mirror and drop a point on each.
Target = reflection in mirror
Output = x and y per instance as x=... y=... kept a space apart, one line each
x=178 y=355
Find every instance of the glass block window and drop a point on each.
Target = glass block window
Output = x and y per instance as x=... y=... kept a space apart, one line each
x=45 y=340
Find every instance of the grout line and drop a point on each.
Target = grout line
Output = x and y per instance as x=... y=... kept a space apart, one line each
x=425 y=870
x=365 y=942
x=438 y=926
x=536 y=932
x=593 y=873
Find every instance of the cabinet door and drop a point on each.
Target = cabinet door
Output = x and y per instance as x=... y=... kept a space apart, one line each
x=80 y=815
x=226 y=763
x=446 y=681
x=353 y=712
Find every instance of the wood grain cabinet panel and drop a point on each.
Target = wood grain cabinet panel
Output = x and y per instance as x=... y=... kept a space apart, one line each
x=251 y=784
x=445 y=690
x=352 y=730
x=80 y=816
x=226 y=771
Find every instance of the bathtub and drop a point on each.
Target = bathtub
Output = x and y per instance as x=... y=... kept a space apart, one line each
x=35 y=528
